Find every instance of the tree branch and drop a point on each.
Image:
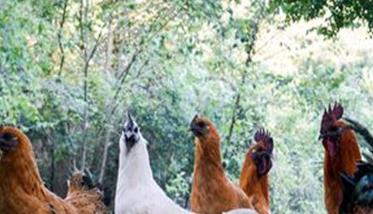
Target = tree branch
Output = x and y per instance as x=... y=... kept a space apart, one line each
x=59 y=36
x=105 y=155
x=114 y=103
x=250 y=51
x=87 y=59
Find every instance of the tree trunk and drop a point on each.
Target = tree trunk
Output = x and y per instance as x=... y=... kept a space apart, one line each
x=105 y=155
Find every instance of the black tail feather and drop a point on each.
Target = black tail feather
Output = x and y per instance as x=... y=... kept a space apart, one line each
x=363 y=169
x=88 y=180
x=348 y=187
x=107 y=196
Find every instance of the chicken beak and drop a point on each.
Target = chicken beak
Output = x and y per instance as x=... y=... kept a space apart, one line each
x=194 y=129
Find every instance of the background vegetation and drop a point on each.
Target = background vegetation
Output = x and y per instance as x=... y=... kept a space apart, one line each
x=71 y=69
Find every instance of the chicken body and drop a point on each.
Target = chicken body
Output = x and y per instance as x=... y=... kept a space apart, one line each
x=83 y=197
x=343 y=162
x=341 y=155
x=21 y=188
x=255 y=187
x=137 y=192
x=254 y=175
x=212 y=191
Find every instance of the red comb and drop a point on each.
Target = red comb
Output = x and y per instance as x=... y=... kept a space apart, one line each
x=331 y=115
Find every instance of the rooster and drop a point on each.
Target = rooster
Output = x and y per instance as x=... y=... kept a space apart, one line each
x=137 y=191
x=358 y=188
x=341 y=155
x=83 y=194
x=212 y=191
x=21 y=187
x=254 y=174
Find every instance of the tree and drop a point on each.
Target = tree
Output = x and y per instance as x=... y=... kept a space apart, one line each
x=336 y=14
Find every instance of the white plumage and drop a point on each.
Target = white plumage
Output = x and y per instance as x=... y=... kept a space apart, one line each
x=241 y=211
x=137 y=192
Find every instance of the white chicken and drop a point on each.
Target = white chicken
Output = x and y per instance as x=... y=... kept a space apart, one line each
x=137 y=192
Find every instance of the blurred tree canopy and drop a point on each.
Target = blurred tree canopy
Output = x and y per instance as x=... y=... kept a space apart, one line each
x=336 y=14
x=69 y=70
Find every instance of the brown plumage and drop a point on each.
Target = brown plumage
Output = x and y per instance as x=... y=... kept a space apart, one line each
x=254 y=174
x=21 y=188
x=212 y=191
x=83 y=195
x=341 y=155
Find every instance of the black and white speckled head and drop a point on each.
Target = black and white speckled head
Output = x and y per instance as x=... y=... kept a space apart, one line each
x=130 y=133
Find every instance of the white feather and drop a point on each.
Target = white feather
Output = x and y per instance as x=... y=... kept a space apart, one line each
x=137 y=192
x=241 y=211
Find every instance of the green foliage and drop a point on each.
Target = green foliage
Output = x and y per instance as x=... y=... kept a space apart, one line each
x=336 y=14
x=165 y=62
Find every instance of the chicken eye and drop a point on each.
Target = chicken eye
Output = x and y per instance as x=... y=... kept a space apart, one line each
x=334 y=129
x=201 y=124
x=334 y=132
x=136 y=130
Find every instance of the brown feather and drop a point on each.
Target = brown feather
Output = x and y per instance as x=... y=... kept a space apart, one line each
x=212 y=191
x=254 y=185
x=86 y=200
x=21 y=188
